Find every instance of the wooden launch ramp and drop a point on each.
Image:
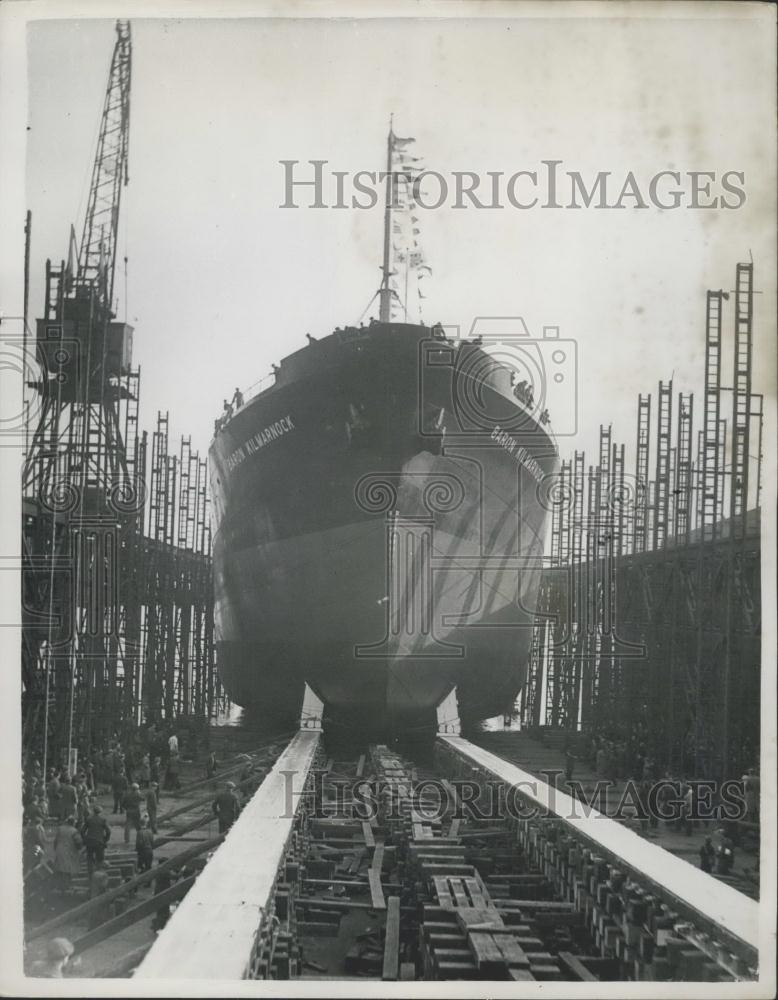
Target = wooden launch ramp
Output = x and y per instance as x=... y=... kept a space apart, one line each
x=432 y=907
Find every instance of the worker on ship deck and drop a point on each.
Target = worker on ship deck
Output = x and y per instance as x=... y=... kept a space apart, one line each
x=522 y=392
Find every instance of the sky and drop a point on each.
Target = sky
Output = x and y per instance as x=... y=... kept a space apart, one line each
x=223 y=282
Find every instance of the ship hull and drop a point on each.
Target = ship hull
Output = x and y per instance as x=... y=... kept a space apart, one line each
x=369 y=544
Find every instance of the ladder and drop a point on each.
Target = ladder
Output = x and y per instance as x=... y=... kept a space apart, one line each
x=710 y=485
x=741 y=404
x=640 y=522
x=662 y=481
x=683 y=469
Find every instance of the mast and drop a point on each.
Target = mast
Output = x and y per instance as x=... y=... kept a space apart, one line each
x=385 y=293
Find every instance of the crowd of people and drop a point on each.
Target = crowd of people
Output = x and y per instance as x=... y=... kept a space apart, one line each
x=64 y=821
x=617 y=754
x=133 y=775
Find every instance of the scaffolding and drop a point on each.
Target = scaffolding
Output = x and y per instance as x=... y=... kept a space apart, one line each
x=177 y=613
x=652 y=598
x=116 y=580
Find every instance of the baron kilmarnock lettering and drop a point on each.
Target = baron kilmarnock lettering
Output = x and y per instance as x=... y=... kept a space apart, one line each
x=259 y=440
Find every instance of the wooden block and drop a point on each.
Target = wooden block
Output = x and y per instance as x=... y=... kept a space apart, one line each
x=485 y=951
x=521 y=975
x=545 y=973
x=476 y=891
x=376 y=889
x=442 y=940
x=473 y=918
x=576 y=967
x=407 y=971
x=367 y=833
x=513 y=954
x=690 y=964
x=392 y=940
x=456 y=970
x=443 y=869
x=529 y=943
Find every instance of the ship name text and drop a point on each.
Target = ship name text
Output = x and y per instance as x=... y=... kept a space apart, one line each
x=270 y=433
x=512 y=446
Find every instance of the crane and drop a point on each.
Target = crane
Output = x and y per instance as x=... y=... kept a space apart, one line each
x=110 y=173
x=85 y=355
x=82 y=485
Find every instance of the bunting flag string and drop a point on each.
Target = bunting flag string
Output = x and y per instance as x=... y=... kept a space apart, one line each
x=408 y=260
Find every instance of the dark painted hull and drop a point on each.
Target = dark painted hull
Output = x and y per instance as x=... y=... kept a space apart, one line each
x=359 y=550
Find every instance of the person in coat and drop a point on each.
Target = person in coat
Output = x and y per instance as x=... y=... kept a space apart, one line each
x=172 y=780
x=96 y=833
x=145 y=771
x=144 y=846
x=725 y=854
x=52 y=794
x=33 y=844
x=226 y=807
x=82 y=802
x=33 y=812
x=132 y=804
x=151 y=802
x=67 y=852
x=68 y=797
x=707 y=855
x=119 y=787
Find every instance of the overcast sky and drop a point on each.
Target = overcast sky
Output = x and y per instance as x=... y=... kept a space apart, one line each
x=223 y=282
